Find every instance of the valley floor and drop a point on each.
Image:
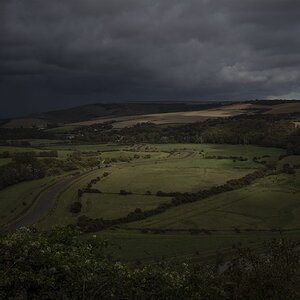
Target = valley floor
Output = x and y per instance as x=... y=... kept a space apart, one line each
x=130 y=177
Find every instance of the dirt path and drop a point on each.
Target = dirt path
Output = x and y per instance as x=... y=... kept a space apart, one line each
x=44 y=203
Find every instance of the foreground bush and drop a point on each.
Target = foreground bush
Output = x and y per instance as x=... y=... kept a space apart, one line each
x=62 y=265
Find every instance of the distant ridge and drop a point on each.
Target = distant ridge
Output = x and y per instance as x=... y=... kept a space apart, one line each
x=92 y=111
x=116 y=110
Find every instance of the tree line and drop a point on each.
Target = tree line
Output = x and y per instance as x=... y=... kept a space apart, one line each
x=76 y=206
x=24 y=133
x=263 y=130
x=22 y=168
x=92 y=225
x=25 y=166
x=50 y=153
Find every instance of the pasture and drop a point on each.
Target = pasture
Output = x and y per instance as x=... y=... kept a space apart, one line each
x=168 y=168
x=17 y=199
x=38 y=146
x=271 y=202
x=4 y=161
x=137 y=247
x=113 y=206
x=196 y=230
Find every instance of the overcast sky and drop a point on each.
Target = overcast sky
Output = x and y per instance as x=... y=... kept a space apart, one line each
x=62 y=53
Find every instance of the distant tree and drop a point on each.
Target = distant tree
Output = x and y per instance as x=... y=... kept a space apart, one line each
x=124 y=192
x=75 y=207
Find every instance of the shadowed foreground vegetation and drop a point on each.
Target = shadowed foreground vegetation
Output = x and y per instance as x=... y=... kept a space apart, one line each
x=60 y=264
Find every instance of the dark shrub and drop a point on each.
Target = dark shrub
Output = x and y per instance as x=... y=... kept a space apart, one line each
x=75 y=207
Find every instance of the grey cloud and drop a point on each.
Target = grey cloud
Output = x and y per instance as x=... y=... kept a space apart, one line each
x=61 y=52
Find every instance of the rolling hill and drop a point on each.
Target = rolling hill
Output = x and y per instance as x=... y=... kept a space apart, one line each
x=130 y=113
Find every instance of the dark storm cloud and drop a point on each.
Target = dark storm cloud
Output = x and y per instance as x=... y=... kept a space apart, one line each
x=62 y=53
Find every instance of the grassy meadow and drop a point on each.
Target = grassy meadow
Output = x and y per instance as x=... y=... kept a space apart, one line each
x=248 y=215
x=18 y=198
x=136 y=247
x=269 y=203
x=167 y=168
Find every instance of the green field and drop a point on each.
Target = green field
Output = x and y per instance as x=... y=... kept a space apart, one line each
x=272 y=202
x=13 y=149
x=248 y=215
x=113 y=206
x=42 y=142
x=4 y=161
x=61 y=214
x=134 y=246
x=174 y=174
x=16 y=199
x=167 y=168
x=37 y=146
x=293 y=160
x=96 y=147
